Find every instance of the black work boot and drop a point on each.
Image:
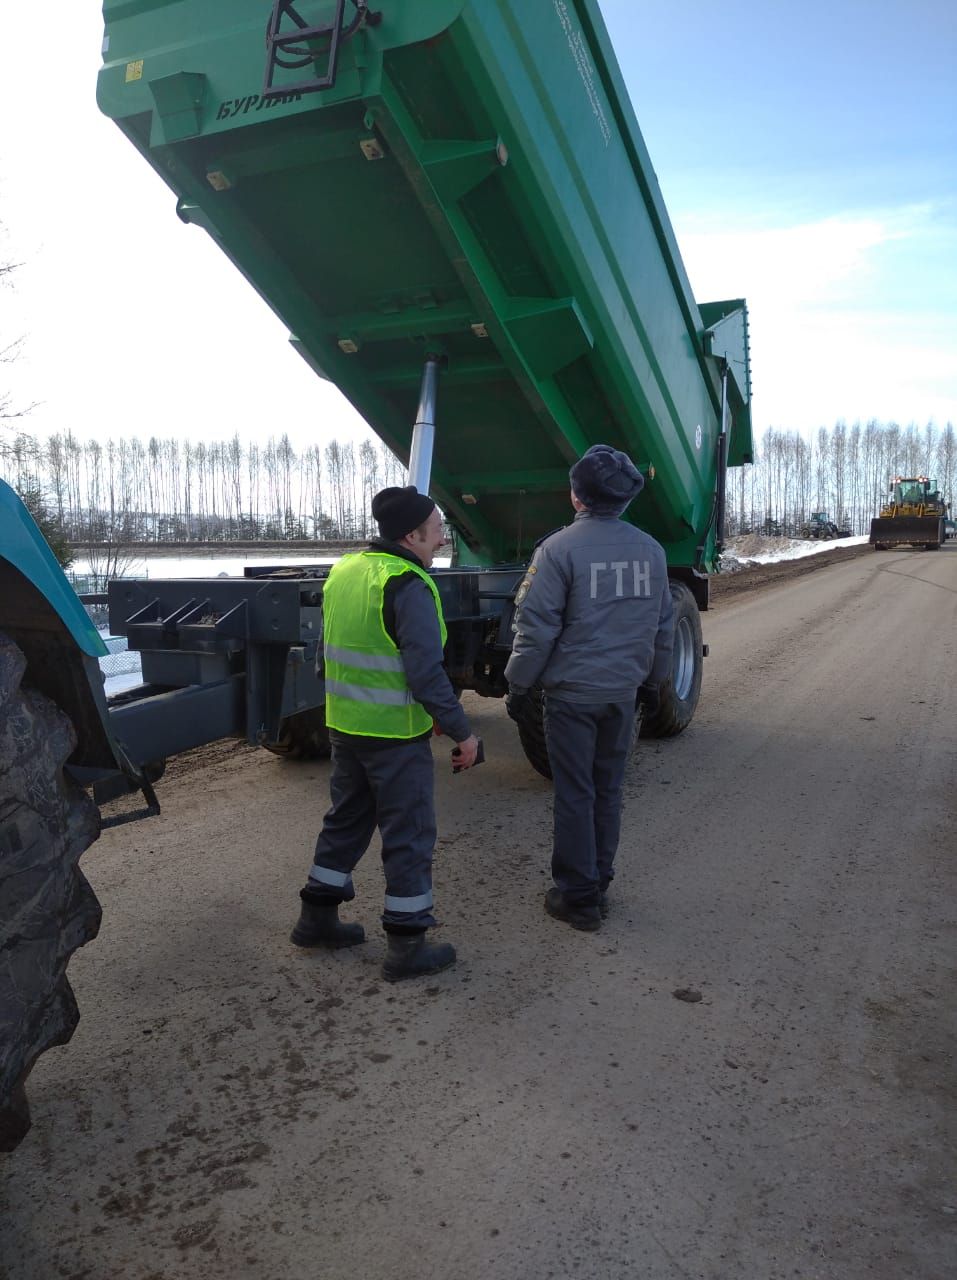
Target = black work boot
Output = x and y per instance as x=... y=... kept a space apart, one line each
x=578 y=915
x=603 y=905
x=319 y=926
x=411 y=955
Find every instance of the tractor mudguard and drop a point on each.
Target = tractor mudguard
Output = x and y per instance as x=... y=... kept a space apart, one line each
x=26 y=549
x=42 y=614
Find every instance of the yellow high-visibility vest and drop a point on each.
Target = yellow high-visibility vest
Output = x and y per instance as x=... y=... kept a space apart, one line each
x=366 y=690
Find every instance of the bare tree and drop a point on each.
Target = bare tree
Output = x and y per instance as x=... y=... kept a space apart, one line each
x=335 y=470
x=839 y=455
x=253 y=479
x=946 y=464
x=10 y=349
x=369 y=471
x=850 y=515
x=823 y=469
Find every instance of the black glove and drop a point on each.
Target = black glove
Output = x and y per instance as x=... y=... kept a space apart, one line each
x=515 y=704
x=648 y=701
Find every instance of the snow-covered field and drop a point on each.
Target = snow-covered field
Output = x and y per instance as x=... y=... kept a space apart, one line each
x=203 y=566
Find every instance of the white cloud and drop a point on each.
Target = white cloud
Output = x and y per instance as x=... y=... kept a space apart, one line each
x=812 y=368
x=827 y=339
x=811 y=263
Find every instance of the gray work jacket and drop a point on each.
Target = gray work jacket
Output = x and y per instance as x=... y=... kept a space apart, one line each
x=595 y=618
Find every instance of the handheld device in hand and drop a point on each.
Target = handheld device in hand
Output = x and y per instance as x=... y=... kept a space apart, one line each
x=479 y=757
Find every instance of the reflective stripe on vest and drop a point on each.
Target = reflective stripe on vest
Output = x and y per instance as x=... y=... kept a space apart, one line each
x=366 y=689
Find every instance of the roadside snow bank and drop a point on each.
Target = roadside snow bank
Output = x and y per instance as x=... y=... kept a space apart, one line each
x=754 y=548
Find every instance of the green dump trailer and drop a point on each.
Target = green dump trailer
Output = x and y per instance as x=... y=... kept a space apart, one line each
x=463 y=180
x=451 y=207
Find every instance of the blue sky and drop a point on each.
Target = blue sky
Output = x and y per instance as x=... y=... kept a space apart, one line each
x=807 y=155
x=808 y=158
x=854 y=99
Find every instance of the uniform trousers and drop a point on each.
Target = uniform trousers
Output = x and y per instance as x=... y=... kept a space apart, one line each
x=588 y=749
x=391 y=787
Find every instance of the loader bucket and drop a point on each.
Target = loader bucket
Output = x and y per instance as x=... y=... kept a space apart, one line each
x=903 y=531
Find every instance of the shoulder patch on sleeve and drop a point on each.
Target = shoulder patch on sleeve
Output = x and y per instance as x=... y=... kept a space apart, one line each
x=522 y=591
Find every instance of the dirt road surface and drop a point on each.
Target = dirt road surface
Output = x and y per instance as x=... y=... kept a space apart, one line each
x=233 y=1107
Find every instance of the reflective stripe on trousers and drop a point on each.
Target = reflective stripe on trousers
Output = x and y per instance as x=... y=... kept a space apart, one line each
x=335 y=879
x=421 y=903
x=340 y=880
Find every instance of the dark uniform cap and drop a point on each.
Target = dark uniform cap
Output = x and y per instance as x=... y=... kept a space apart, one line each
x=605 y=479
x=399 y=511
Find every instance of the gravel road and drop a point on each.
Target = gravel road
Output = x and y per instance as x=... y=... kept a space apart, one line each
x=233 y=1107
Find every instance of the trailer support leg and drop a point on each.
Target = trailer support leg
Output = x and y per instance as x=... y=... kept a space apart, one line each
x=423 y=433
x=722 y=464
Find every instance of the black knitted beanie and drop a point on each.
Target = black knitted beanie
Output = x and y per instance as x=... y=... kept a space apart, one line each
x=399 y=511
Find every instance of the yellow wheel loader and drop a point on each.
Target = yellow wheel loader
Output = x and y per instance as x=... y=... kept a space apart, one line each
x=913 y=516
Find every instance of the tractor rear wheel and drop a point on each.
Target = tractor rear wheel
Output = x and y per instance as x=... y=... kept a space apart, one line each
x=303 y=736
x=47 y=908
x=680 y=692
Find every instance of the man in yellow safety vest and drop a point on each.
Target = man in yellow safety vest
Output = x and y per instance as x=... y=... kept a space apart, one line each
x=383 y=642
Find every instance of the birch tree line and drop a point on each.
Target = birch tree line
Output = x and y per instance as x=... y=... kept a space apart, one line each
x=172 y=490
x=845 y=471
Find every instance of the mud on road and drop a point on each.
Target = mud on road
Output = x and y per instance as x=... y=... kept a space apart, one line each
x=232 y=1106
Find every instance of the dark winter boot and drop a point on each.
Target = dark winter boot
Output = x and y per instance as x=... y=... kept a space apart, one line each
x=319 y=926
x=411 y=955
x=603 y=905
x=578 y=915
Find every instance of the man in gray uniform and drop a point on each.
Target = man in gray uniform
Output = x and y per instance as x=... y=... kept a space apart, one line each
x=594 y=627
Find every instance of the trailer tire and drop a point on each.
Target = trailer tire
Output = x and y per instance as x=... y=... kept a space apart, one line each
x=531 y=732
x=47 y=908
x=304 y=736
x=680 y=693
